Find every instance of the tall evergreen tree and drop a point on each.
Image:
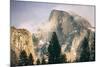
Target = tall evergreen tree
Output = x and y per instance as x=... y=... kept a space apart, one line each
x=54 y=50
x=23 y=60
x=85 y=54
x=30 y=59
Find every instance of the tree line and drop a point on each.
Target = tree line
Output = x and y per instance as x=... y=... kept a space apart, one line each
x=54 y=54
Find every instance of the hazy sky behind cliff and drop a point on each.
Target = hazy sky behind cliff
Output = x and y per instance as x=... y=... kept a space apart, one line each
x=32 y=15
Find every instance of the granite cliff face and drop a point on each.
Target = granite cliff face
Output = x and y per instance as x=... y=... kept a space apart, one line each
x=21 y=39
x=64 y=23
x=75 y=34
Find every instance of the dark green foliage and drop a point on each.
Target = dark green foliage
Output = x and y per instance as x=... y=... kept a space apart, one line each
x=92 y=56
x=85 y=54
x=54 y=50
x=23 y=60
x=30 y=59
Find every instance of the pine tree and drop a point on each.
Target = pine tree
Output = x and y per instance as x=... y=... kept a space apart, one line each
x=23 y=60
x=54 y=50
x=85 y=52
x=30 y=59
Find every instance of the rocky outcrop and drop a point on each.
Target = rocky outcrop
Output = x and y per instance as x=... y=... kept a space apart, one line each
x=21 y=39
x=75 y=34
x=64 y=23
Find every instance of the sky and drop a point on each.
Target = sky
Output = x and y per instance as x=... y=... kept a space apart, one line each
x=33 y=15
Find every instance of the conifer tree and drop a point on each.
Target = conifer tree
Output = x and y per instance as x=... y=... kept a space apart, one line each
x=54 y=50
x=30 y=59
x=23 y=60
